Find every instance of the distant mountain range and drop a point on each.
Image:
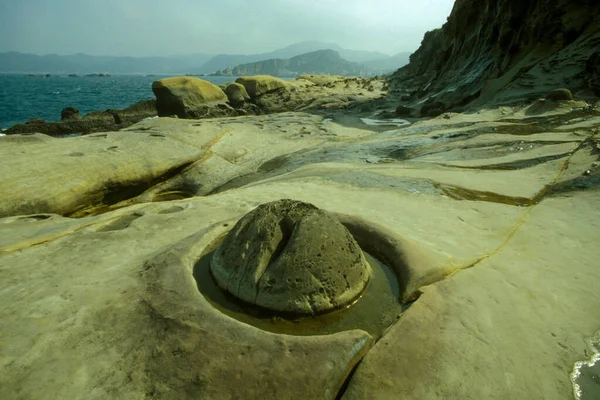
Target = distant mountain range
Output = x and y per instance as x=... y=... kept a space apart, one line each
x=222 y=61
x=318 y=62
x=15 y=62
x=315 y=62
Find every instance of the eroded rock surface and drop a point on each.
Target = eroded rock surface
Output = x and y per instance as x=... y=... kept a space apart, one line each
x=289 y=256
x=494 y=214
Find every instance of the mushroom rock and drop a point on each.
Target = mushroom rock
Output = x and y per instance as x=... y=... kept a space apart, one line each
x=291 y=257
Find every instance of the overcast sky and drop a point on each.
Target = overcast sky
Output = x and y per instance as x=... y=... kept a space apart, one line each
x=170 y=27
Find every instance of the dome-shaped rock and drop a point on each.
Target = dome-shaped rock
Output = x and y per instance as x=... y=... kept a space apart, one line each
x=291 y=257
x=237 y=94
x=69 y=113
x=182 y=95
x=560 y=95
x=260 y=84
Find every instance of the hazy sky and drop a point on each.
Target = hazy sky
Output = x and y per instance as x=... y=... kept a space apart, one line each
x=168 y=27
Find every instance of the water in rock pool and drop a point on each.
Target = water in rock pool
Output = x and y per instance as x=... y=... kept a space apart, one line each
x=25 y=97
x=586 y=374
x=375 y=311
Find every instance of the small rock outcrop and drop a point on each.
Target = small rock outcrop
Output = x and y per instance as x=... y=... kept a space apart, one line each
x=94 y=121
x=186 y=97
x=291 y=257
x=69 y=113
x=258 y=85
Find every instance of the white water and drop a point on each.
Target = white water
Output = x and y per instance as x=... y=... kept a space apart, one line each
x=384 y=122
x=594 y=346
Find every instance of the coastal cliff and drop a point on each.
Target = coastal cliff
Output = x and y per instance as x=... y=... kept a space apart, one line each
x=505 y=51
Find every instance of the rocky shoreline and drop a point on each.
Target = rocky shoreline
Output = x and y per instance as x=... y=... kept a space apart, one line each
x=307 y=92
x=96 y=121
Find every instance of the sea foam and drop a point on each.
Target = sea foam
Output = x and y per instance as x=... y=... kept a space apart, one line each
x=594 y=346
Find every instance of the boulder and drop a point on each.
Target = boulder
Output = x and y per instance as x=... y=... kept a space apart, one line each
x=184 y=95
x=291 y=257
x=69 y=113
x=260 y=84
x=237 y=94
x=560 y=95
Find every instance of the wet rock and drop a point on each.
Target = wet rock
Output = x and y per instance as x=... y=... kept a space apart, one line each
x=291 y=257
x=560 y=95
x=69 y=113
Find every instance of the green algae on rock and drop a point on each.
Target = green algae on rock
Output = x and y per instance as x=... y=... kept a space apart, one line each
x=560 y=95
x=260 y=84
x=183 y=96
x=236 y=93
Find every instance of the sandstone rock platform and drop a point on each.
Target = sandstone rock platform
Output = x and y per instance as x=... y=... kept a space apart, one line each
x=489 y=220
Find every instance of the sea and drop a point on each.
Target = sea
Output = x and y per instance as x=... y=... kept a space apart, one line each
x=24 y=97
